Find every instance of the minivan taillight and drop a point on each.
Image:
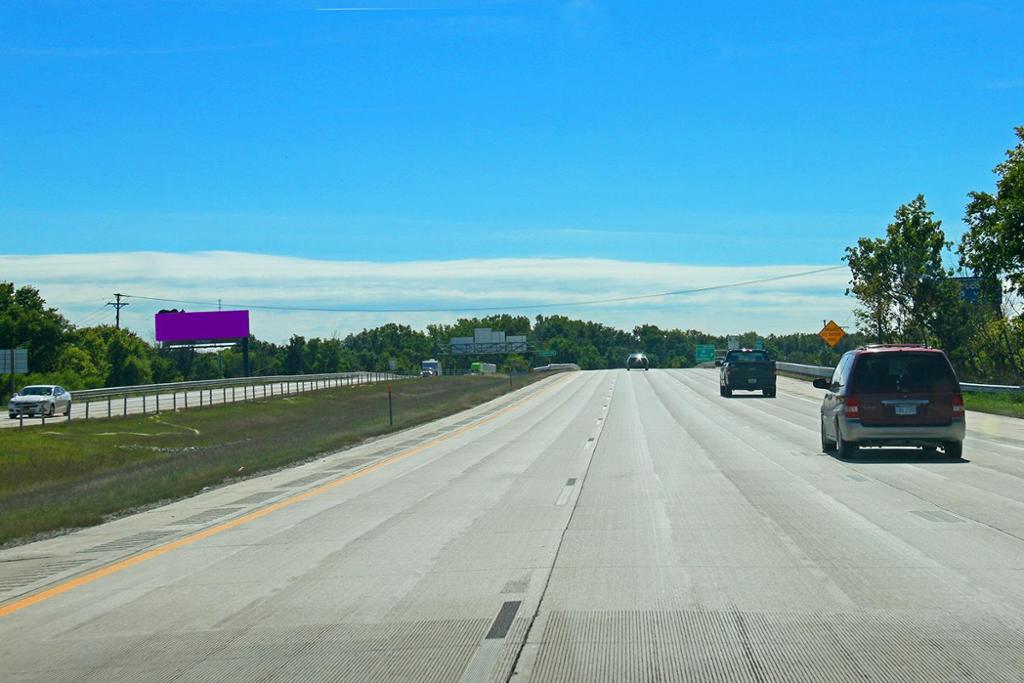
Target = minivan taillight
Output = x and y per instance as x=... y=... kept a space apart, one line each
x=851 y=407
x=958 y=405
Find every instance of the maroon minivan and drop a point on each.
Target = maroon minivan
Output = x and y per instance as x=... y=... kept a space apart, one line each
x=892 y=395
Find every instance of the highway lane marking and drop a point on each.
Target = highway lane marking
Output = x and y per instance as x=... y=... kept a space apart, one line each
x=131 y=561
x=566 y=494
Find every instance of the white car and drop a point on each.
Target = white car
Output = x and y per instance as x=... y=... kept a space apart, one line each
x=40 y=399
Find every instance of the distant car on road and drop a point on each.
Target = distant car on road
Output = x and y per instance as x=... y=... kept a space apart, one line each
x=747 y=370
x=892 y=395
x=38 y=400
x=433 y=365
x=638 y=360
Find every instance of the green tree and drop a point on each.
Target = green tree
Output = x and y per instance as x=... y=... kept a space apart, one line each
x=295 y=355
x=993 y=245
x=164 y=369
x=899 y=280
x=79 y=369
x=128 y=356
x=26 y=321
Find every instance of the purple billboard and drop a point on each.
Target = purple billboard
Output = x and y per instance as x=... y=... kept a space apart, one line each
x=205 y=326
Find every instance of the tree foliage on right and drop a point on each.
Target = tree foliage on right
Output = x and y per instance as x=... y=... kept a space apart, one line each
x=993 y=246
x=906 y=293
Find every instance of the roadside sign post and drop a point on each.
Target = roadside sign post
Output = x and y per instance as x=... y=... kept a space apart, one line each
x=831 y=333
x=391 y=412
x=13 y=362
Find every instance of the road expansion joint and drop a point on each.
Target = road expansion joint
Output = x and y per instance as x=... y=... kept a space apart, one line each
x=579 y=484
x=939 y=506
x=784 y=537
x=773 y=408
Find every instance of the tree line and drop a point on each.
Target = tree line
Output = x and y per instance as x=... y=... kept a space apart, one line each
x=914 y=285
x=102 y=355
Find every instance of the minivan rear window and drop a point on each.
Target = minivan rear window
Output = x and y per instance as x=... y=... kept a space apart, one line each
x=903 y=372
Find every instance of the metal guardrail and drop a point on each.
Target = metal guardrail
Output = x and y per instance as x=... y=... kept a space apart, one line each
x=813 y=371
x=169 y=387
x=552 y=367
x=816 y=371
x=287 y=385
x=990 y=388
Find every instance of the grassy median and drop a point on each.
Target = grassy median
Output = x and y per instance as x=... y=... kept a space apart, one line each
x=73 y=474
x=1000 y=404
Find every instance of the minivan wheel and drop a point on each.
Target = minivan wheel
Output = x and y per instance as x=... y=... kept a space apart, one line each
x=827 y=444
x=727 y=392
x=845 y=449
x=954 y=449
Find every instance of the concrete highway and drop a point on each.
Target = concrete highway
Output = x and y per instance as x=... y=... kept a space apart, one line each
x=596 y=526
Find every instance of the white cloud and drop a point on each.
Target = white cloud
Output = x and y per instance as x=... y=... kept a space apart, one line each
x=79 y=284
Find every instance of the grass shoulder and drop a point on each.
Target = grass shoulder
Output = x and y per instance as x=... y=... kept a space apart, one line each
x=1011 y=405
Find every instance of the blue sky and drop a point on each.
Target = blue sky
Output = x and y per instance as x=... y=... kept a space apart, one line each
x=695 y=134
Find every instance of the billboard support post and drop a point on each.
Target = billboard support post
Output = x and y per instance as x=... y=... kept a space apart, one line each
x=245 y=356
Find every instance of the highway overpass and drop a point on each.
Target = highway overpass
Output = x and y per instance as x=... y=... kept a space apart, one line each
x=596 y=526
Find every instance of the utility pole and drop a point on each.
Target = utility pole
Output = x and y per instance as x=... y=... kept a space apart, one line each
x=118 y=305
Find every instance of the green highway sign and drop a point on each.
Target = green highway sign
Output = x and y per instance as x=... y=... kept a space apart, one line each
x=705 y=353
x=759 y=344
x=547 y=353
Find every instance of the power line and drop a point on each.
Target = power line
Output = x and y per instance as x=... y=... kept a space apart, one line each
x=477 y=309
x=91 y=316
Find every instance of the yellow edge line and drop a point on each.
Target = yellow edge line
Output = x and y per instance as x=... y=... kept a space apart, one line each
x=127 y=562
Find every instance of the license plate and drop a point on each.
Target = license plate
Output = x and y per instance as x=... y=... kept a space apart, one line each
x=752 y=380
x=906 y=410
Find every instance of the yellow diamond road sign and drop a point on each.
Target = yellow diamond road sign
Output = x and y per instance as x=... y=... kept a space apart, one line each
x=832 y=333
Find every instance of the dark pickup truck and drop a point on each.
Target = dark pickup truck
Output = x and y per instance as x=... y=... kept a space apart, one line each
x=746 y=369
